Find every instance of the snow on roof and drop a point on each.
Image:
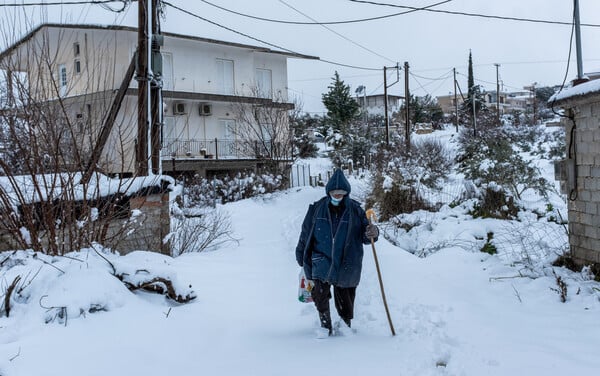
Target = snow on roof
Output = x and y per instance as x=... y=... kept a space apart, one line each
x=25 y=189
x=590 y=87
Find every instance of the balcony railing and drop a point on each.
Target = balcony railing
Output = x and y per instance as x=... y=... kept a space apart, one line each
x=217 y=149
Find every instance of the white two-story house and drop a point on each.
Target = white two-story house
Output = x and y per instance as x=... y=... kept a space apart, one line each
x=203 y=80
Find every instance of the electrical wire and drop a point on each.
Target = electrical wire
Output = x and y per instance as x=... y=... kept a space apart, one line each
x=442 y=77
x=472 y=14
x=338 y=34
x=260 y=40
x=323 y=23
x=443 y=80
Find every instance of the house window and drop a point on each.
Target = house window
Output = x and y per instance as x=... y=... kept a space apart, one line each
x=167 y=78
x=76 y=49
x=77 y=67
x=263 y=83
x=62 y=79
x=225 y=77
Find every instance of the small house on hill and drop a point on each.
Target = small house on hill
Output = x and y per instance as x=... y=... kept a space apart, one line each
x=579 y=173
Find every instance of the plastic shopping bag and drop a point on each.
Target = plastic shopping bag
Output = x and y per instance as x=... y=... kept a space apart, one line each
x=305 y=287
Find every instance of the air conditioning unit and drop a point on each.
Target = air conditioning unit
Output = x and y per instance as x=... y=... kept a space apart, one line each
x=179 y=108
x=205 y=109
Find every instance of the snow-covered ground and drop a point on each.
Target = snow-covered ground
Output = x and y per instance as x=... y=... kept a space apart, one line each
x=456 y=312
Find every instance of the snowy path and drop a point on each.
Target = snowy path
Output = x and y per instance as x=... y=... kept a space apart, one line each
x=450 y=318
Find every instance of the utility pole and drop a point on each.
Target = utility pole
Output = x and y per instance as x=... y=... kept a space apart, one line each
x=455 y=101
x=534 y=103
x=385 y=99
x=407 y=106
x=143 y=79
x=473 y=99
x=385 y=107
x=497 y=94
x=580 y=78
x=156 y=92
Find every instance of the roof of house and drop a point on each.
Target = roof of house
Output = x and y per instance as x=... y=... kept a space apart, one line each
x=29 y=35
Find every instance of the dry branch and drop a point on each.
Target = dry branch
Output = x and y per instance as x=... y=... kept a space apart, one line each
x=9 y=292
x=159 y=285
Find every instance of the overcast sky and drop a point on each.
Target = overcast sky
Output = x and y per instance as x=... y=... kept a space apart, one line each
x=431 y=42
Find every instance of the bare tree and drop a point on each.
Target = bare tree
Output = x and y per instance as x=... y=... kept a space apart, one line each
x=262 y=129
x=50 y=120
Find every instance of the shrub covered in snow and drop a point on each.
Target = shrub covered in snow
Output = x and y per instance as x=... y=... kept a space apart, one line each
x=200 y=191
x=494 y=158
x=400 y=174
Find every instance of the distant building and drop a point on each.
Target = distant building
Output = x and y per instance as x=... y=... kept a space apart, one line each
x=375 y=104
x=509 y=101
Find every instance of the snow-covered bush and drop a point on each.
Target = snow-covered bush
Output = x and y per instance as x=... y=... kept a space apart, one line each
x=200 y=191
x=57 y=289
x=492 y=158
x=400 y=174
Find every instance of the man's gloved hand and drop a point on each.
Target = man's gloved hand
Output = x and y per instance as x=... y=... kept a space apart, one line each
x=372 y=231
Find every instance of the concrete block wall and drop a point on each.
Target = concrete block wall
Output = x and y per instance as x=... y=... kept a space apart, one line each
x=584 y=203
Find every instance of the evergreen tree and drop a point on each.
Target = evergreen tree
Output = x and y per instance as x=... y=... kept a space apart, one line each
x=474 y=104
x=341 y=107
x=424 y=110
x=303 y=145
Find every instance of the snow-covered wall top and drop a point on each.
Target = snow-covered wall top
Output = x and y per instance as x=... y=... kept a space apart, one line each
x=590 y=87
x=24 y=189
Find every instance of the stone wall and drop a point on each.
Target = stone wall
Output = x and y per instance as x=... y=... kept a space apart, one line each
x=580 y=175
x=144 y=228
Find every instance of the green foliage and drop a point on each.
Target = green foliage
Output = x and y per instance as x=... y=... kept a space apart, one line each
x=542 y=94
x=424 y=110
x=490 y=160
x=494 y=203
x=399 y=173
x=488 y=247
x=342 y=109
x=303 y=145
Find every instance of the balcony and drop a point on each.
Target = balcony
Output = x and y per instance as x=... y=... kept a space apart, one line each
x=218 y=149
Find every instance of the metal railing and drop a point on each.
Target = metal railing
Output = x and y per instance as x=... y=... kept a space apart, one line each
x=216 y=149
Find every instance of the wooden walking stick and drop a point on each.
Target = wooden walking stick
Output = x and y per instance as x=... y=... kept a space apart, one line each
x=370 y=216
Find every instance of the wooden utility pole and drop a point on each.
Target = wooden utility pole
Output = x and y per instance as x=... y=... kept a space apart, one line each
x=143 y=79
x=455 y=101
x=407 y=106
x=156 y=92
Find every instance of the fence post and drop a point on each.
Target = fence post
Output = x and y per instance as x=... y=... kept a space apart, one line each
x=216 y=149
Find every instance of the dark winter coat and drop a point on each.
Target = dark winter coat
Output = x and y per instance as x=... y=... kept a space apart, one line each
x=329 y=254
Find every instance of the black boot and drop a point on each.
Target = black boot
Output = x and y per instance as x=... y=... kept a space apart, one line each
x=348 y=322
x=325 y=319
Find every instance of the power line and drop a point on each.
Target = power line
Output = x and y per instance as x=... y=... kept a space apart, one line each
x=473 y=14
x=442 y=77
x=338 y=34
x=322 y=23
x=260 y=40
